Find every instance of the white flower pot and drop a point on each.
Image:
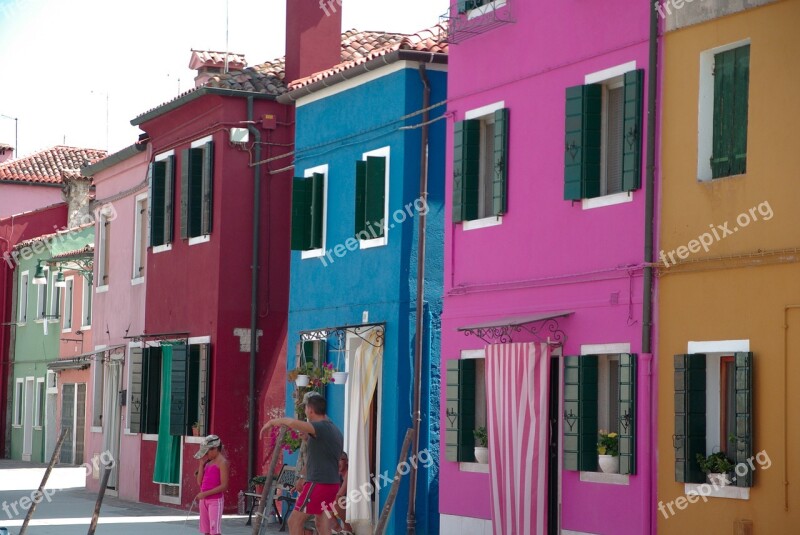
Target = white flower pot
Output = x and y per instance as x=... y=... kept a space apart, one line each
x=302 y=380
x=609 y=464
x=720 y=480
x=482 y=454
x=340 y=378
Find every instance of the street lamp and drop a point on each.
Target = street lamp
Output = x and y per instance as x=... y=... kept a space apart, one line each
x=39 y=277
x=16 y=132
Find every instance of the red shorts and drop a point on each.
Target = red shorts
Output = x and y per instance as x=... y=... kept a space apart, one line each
x=315 y=497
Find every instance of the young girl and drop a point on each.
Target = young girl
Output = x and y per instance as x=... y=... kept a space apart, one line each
x=212 y=476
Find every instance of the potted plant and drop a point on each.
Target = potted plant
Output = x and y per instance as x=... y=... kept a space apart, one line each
x=196 y=429
x=608 y=452
x=257 y=482
x=717 y=466
x=309 y=375
x=482 y=449
x=291 y=440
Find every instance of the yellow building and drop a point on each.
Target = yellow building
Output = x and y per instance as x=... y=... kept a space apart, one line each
x=729 y=276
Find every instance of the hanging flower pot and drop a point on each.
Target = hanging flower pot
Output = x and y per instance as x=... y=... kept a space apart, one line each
x=340 y=378
x=302 y=380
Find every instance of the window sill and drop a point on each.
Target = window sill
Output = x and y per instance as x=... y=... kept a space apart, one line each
x=478 y=468
x=67 y=330
x=474 y=224
x=607 y=200
x=193 y=440
x=101 y=289
x=86 y=327
x=313 y=253
x=170 y=499
x=608 y=479
x=37 y=428
x=488 y=8
x=199 y=239
x=22 y=323
x=16 y=426
x=369 y=244
x=137 y=281
x=96 y=429
x=162 y=248
x=150 y=438
x=730 y=492
x=710 y=180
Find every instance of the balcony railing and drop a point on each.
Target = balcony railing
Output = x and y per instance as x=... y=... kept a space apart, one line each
x=468 y=18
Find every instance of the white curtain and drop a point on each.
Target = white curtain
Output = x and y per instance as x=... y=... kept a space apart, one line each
x=111 y=417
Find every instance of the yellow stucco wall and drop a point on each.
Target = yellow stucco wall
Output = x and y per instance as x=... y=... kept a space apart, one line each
x=744 y=297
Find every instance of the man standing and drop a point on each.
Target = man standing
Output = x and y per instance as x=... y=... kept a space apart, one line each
x=325 y=444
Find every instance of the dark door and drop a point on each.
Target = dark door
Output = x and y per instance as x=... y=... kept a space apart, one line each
x=552 y=449
x=68 y=422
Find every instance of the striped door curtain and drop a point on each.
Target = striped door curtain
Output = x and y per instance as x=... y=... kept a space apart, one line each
x=516 y=399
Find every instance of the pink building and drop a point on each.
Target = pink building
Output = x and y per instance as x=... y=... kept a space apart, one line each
x=545 y=290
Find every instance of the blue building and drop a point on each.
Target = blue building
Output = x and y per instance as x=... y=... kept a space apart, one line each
x=356 y=207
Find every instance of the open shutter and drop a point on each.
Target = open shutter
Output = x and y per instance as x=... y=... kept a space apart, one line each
x=632 y=131
x=315 y=352
x=157 y=186
x=690 y=416
x=500 y=178
x=459 y=439
x=583 y=140
x=724 y=112
x=185 y=173
x=741 y=88
x=627 y=414
x=301 y=220
x=135 y=405
x=177 y=416
x=361 y=192
x=195 y=191
x=169 y=196
x=580 y=413
x=207 y=208
x=204 y=385
x=376 y=192
x=317 y=182
x=466 y=169
x=743 y=366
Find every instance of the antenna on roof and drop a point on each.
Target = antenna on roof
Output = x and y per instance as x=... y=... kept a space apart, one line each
x=227 y=48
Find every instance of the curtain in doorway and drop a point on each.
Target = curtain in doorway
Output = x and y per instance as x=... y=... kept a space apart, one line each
x=111 y=420
x=365 y=373
x=167 y=470
x=516 y=399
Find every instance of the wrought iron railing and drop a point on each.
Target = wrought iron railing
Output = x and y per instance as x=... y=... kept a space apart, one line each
x=468 y=18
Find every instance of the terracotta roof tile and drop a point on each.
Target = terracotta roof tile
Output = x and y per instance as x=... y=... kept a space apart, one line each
x=46 y=166
x=211 y=58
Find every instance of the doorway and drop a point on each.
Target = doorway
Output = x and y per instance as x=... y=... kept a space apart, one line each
x=554 y=432
x=111 y=427
x=73 y=417
x=27 y=420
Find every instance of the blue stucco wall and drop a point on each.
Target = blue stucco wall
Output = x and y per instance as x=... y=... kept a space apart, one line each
x=336 y=131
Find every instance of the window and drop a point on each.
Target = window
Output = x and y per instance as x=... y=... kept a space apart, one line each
x=55 y=298
x=22 y=312
x=66 y=322
x=466 y=406
x=145 y=390
x=599 y=393
x=731 y=95
x=97 y=394
x=38 y=404
x=713 y=411
x=603 y=149
x=372 y=206
x=480 y=166
x=162 y=191
x=18 y=401
x=197 y=179
x=309 y=211
x=86 y=321
x=104 y=254
x=41 y=296
x=140 y=238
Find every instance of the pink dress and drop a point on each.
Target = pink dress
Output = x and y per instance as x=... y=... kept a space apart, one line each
x=211 y=479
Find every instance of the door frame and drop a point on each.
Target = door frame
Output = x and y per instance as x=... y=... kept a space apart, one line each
x=556 y=365
x=28 y=394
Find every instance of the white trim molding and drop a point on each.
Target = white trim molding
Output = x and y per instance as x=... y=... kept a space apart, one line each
x=483 y=111
x=611 y=72
x=491 y=221
x=383 y=152
x=320 y=252
x=605 y=349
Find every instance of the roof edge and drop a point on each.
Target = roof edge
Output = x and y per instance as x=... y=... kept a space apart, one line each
x=371 y=65
x=193 y=95
x=113 y=159
x=31 y=183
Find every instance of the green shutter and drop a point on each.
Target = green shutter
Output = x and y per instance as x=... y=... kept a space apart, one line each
x=583 y=140
x=207 y=208
x=460 y=416
x=580 y=413
x=178 y=397
x=301 y=208
x=627 y=413
x=315 y=352
x=169 y=196
x=151 y=389
x=743 y=366
x=731 y=97
x=204 y=408
x=632 y=131
x=185 y=171
x=690 y=416
x=500 y=178
x=195 y=191
x=317 y=185
x=375 y=200
x=135 y=396
x=192 y=385
x=466 y=169
x=361 y=197
x=157 y=187
x=741 y=85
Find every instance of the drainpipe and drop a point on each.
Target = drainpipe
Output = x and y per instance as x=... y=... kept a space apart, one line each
x=786 y=310
x=647 y=298
x=251 y=408
x=411 y=520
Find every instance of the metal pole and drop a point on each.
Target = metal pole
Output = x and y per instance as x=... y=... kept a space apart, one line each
x=39 y=493
x=100 y=496
x=387 y=507
x=262 y=505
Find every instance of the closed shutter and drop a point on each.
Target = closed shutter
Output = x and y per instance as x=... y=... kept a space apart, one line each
x=741 y=87
x=193 y=385
x=500 y=178
x=151 y=389
x=459 y=439
x=376 y=193
x=195 y=191
x=627 y=414
x=466 y=169
x=178 y=424
x=135 y=405
x=632 y=131
x=301 y=209
x=721 y=159
x=317 y=182
x=169 y=195
x=207 y=208
x=580 y=413
x=157 y=185
x=690 y=416
x=204 y=388
x=583 y=142
x=361 y=197
x=743 y=366
x=67 y=455
x=186 y=166
x=80 y=422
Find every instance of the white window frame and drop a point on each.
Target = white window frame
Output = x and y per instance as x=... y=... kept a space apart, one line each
x=101 y=246
x=86 y=303
x=24 y=287
x=139 y=234
x=41 y=297
x=484 y=113
x=705 y=110
x=69 y=305
x=54 y=310
x=19 y=403
x=465 y=466
x=197 y=144
x=383 y=152
x=167 y=246
x=38 y=403
x=320 y=252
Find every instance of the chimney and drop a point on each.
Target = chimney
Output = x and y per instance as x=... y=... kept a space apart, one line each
x=313 y=37
x=6 y=152
x=76 y=192
x=209 y=64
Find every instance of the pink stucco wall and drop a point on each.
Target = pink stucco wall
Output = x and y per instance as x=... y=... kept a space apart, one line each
x=15 y=198
x=549 y=254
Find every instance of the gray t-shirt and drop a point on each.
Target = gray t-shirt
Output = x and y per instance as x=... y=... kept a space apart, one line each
x=324 y=451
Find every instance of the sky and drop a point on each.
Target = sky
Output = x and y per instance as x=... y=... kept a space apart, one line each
x=76 y=72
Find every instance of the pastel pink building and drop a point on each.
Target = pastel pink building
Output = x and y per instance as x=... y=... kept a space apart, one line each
x=546 y=326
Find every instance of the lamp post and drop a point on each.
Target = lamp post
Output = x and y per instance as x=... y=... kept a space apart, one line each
x=16 y=132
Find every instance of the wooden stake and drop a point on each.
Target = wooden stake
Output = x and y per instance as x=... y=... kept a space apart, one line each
x=262 y=504
x=387 y=507
x=100 y=495
x=40 y=493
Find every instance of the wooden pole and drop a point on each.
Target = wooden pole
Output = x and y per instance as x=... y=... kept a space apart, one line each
x=387 y=507
x=40 y=493
x=100 y=495
x=262 y=504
